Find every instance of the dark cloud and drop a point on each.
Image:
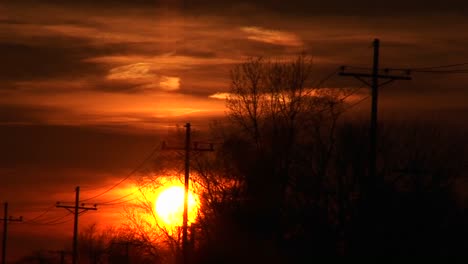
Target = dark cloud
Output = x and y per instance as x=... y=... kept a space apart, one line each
x=60 y=57
x=294 y=7
x=48 y=146
x=63 y=58
x=196 y=53
x=11 y=114
x=13 y=22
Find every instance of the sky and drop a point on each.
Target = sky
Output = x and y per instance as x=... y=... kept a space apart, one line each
x=87 y=88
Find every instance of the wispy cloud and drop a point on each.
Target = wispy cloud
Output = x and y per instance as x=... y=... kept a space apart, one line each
x=272 y=36
x=164 y=61
x=218 y=95
x=131 y=71
x=143 y=77
x=169 y=83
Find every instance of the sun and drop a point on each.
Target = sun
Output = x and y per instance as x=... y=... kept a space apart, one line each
x=169 y=206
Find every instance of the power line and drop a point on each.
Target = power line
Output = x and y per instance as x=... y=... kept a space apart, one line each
x=442 y=72
x=441 y=66
x=327 y=77
x=55 y=221
x=124 y=196
x=351 y=93
x=46 y=221
x=430 y=69
x=127 y=177
x=47 y=210
x=356 y=103
x=118 y=199
x=117 y=203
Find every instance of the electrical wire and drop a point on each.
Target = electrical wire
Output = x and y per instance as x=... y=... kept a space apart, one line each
x=441 y=66
x=41 y=214
x=329 y=76
x=442 y=72
x=113 y=201
x=59 y=223
x=125 y=196
x=52 y=221
x=351 y=93
x=116 y=200
x=430 y=69
x=117 y=203
x=356 y=103
x=126 y=178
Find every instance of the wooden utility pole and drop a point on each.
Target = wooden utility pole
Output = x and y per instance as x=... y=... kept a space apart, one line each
x=62 y=257
x=375 y=76
x=127 y=245
x=186 y=193
x=61 y=254
x=188 y=148
x=76 y=209
x=5 y=220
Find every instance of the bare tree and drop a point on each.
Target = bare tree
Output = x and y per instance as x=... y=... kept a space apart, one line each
x=275 y=157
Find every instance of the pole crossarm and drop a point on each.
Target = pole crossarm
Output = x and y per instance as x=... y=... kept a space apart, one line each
x=79 y=207
x=380 y=76
x=12 y=219
x=196 y=147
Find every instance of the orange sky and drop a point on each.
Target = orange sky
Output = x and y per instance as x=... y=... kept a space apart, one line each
x=87 y=89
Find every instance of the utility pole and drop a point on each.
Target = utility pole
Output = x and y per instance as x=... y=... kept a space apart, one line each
x=62 y=257
x=375 y=76
x=5 y=220
x=61 y=254
x=127 y=245
x=75 y=209
x=188 y=148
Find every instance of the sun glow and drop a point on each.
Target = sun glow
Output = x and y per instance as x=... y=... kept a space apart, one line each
x=169 y=206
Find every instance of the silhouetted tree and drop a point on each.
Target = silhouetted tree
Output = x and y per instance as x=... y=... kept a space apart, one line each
x=289 y=177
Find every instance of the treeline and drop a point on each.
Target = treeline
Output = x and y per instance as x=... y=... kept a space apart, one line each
x=289 y=183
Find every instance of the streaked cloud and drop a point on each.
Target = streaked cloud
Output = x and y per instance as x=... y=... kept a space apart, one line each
x=169 y=83
x=272 y=36
x=168 y=61
x=220 y=95
x=131 y=71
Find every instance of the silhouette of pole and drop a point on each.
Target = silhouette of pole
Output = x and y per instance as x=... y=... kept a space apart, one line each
x=127 y=253
x=375 y=76
x=75 y=209
x=75 y=226
x=61 y=254
x=186 y=193
x=5 y=220
x=373 y=123
x=187 y=148
x=127 y=245
x=5 y=228
x=62 y=257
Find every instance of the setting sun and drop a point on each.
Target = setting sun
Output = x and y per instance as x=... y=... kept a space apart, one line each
x=170 y=206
